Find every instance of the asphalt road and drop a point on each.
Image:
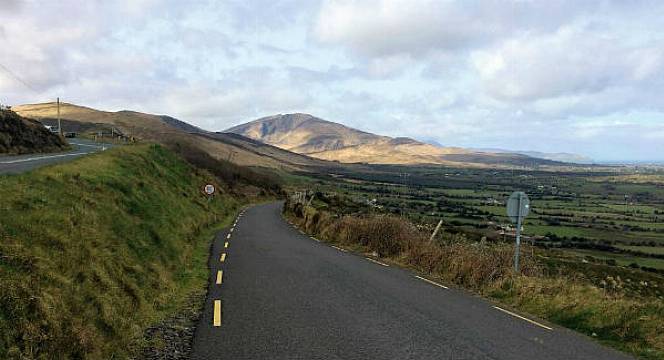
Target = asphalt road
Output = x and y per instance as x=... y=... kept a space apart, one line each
x=22 y=163
x=283 y=295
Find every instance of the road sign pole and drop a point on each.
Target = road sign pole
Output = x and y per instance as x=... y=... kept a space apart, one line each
x=518 y=207
x=518 y=236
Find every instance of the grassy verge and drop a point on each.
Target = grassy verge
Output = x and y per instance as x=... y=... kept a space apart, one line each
x=94 y=251
x=631 y=324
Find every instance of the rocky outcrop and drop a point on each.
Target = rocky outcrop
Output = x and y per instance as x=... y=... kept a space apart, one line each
x=19 y=135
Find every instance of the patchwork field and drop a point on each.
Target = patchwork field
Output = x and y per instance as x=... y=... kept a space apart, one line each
x=606 y=214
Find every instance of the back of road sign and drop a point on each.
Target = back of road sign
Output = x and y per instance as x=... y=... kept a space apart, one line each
x=513 y=205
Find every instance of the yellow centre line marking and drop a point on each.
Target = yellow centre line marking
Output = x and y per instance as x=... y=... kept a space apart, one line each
x=226 y=244
x=376 y=261
x=220 y=275
x=229 y=236
x=340 y=249
x=432 y=282
x=217 y=313
x=523 y=318
x=223 y=257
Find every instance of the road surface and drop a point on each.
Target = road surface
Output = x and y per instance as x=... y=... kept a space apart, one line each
x=283 y=295
x=21 y=163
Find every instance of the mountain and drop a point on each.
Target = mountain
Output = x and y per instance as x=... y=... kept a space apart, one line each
x=168 y=130
x=322 y=139
x=305 y=134
x=19 y=135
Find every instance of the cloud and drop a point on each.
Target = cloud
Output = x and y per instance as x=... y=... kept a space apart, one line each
x=385 y=28
x=377 y=28
x=485 y=73
x=573 y=60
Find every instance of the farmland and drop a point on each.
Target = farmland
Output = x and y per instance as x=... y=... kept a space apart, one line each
x=611 y=215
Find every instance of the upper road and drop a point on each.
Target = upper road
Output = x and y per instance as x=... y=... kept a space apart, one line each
x=21 y=163
x=278 y=294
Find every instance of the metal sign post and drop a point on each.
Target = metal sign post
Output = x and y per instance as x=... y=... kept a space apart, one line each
x=209 y=191
x=518 y=207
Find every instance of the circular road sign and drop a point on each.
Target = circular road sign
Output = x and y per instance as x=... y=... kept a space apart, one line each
x=209 y=189
x=518 y=204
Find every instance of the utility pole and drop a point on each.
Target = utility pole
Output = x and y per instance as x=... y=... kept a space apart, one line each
x=59 y=124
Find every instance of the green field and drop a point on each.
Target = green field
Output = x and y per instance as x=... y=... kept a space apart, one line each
x=570 y=209
x=621 y=259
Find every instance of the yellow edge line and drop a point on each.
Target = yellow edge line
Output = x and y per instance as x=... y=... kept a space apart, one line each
x=376 y=261
x=220 y=275
x=223 y=257
x=431 y=282
x=217 y=313
x=226 y=244
x=523 y=318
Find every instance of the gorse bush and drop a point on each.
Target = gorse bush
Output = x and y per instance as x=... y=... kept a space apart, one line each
x=386 y=235
x=470 y=264
x=462 y=262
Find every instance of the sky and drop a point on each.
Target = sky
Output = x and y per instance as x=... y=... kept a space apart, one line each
x=574 y=76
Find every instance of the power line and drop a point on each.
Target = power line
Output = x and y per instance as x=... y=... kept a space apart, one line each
x=17 y=78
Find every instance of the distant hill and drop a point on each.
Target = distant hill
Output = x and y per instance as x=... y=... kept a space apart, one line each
x=165 y=129
x=19 y=135
x=562 y=156
x=309 y=135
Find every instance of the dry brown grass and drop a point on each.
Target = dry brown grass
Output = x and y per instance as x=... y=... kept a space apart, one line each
x=629 y=324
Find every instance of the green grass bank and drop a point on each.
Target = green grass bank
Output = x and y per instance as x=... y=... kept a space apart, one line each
x=95 y=250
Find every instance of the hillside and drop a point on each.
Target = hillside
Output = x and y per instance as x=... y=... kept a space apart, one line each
x=306 y=134
x=95 y=250
x=19 y=135
x=169 y=131
x=303 y=133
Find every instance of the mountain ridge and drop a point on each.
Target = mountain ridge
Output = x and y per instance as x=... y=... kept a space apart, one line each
x=327 y=140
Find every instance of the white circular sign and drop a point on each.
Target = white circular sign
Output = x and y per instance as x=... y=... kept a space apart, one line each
x=209 y=189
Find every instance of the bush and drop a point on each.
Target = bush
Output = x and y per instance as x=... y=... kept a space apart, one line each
x=230 y=173
x=453 y=258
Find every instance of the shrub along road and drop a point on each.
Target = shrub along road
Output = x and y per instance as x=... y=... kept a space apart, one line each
x=21 y=163
x=278 y=294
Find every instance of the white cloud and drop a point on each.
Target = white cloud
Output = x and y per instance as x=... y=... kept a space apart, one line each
x=384 y=27
x=573 y=60
x=471 y=73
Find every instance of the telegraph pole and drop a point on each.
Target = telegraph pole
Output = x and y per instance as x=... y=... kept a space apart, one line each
x=59 y=125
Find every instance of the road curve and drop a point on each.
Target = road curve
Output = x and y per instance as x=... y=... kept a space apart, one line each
x=22 y=163
x=282 y=295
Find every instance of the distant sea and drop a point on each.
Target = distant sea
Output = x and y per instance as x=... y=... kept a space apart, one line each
x=631 y=162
